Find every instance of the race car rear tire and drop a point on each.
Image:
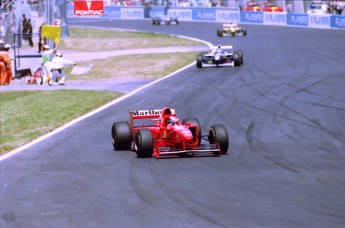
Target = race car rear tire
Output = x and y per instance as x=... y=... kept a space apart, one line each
x=121 y=136
x=144 y=143
x=199 y=60
x=220 y=32
x=237 y=58
x=194 y=121
x=218 y=134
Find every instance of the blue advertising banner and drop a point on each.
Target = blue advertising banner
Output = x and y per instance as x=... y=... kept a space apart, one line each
x=132 y=13
x=297 y=19
x=337 y=21
x=252 y=17
x=204 y=14
x=228 y=16
x=157 y=11
x=113 y=12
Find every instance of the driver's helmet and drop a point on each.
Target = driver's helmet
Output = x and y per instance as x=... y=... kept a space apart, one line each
x=173 y=120
x=219 y=48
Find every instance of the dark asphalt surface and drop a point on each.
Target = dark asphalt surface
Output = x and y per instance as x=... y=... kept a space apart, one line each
x=284 y=110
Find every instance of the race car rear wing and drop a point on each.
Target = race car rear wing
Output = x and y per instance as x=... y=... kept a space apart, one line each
x=147 y=114
x=223 y=47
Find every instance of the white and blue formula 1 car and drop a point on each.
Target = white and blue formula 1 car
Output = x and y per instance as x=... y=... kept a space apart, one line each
x=220 y=56
x=165 y=20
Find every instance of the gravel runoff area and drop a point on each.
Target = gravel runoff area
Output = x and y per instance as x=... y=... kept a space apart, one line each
x=124 y=85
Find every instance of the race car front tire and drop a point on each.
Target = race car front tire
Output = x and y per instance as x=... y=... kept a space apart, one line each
x=240 y=52
x=144 y=143
x=237 y=58
x=218 y=134
x=194 y=121
x=121 y=136
x=244 y=32
x=220 y=32
x=199 y=60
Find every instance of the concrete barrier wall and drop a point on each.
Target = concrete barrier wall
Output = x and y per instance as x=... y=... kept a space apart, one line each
x=226 y=15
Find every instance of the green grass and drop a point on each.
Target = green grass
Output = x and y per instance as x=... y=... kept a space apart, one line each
x=27 y=115
x=93 y=39
x=150 y=66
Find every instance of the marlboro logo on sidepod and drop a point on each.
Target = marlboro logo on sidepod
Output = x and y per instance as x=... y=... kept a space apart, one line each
x=88 y=7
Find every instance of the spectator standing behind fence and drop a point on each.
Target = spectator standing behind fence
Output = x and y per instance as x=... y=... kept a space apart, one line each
x=29 y=32
x=24 y=26
x=42 y=40
x=4 y=64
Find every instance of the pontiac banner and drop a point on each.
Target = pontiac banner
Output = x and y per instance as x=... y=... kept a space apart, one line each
x=88 y=7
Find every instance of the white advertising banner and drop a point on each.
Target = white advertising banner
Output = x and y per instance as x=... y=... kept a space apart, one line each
x=319 y=21
x=275 y=18
x=228 y=16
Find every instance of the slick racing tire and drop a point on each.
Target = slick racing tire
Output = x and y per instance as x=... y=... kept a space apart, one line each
x=240 y=52
x=218 y=134
x=199 y=60
x=121 y=136
x=244 y=32
x=220 y=32
x=194 y=121
x=144 y=143
x=237 y=58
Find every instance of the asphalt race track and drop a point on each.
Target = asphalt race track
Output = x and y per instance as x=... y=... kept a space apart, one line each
x=284 y=110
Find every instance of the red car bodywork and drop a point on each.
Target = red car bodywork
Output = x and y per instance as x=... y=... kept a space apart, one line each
x=252 y=6
x=272 y=7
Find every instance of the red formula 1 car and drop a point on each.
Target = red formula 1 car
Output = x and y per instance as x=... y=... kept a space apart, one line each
x=252 y=6
x=271 y=7
x=167 y=136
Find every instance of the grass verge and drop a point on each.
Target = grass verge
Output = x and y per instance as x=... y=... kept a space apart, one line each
x=26 y=115
x=93 y=39
x=149 y=66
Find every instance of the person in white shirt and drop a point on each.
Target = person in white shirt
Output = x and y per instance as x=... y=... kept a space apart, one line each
x=47 y=56
x=57 y=66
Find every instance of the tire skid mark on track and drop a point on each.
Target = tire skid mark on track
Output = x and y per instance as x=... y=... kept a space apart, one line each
x=278 y=105
x=312 y=122
x=249 y=134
